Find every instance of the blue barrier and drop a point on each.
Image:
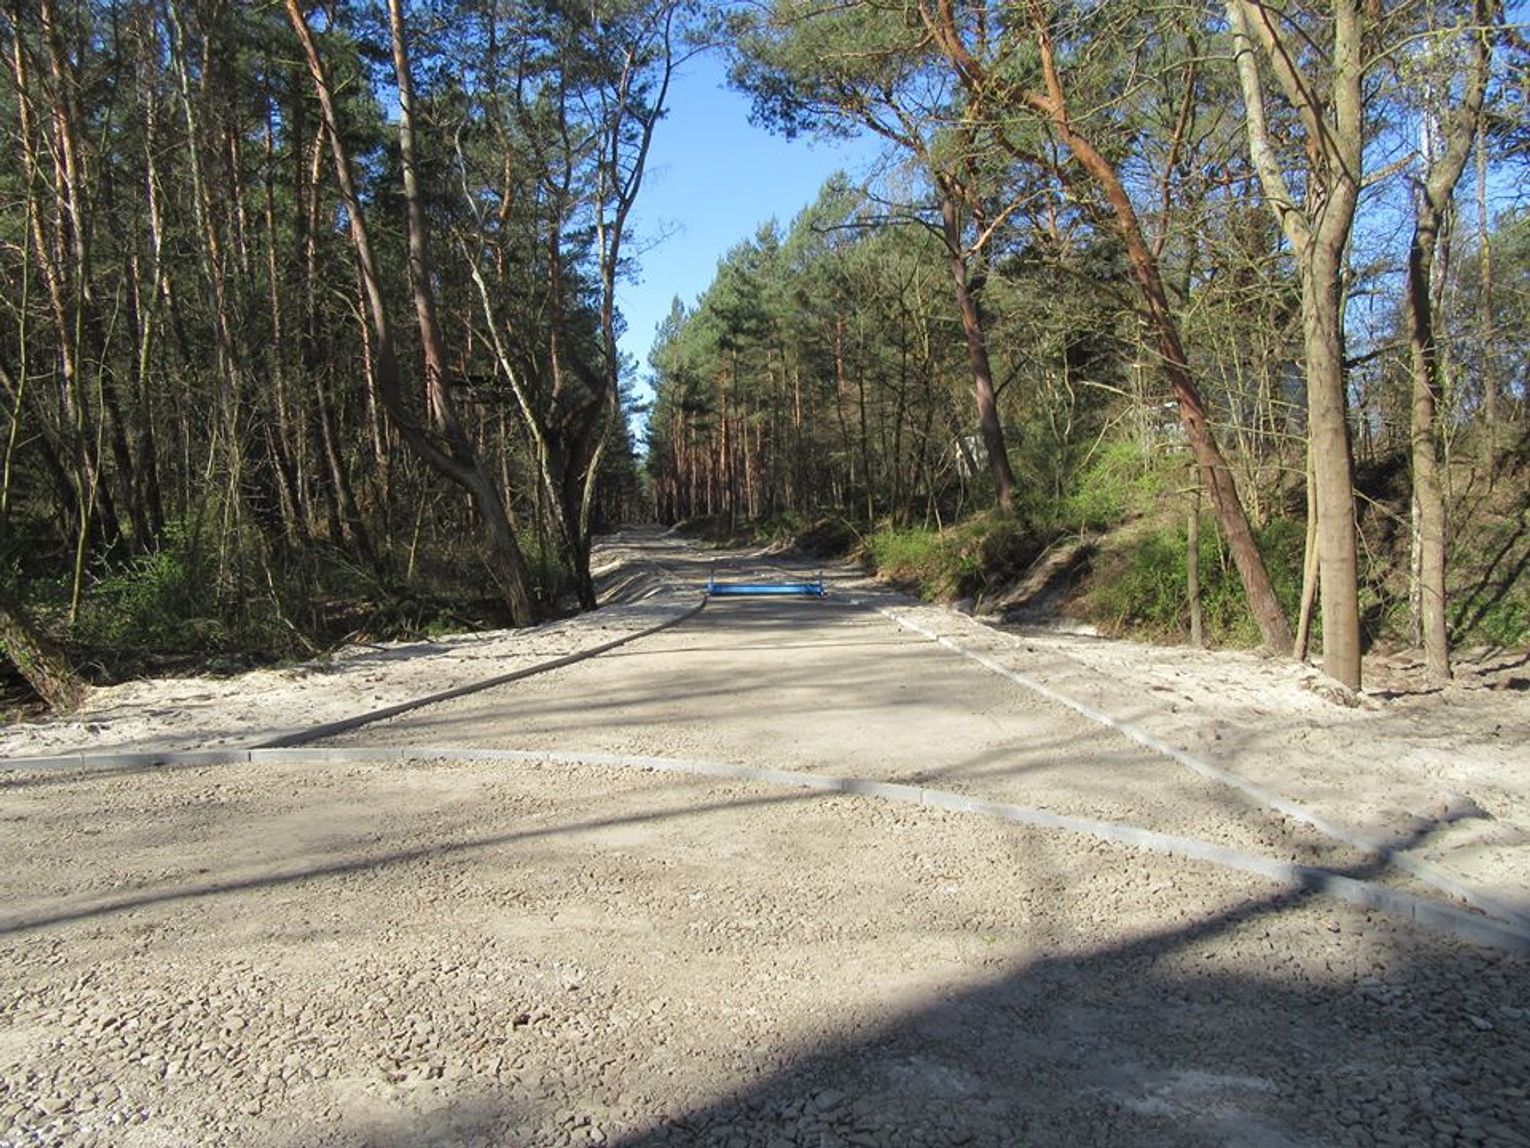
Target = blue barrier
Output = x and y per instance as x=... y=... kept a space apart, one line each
x=715 y=588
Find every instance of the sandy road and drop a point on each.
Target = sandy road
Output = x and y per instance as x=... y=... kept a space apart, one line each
x=488 y=953
x=829 y=686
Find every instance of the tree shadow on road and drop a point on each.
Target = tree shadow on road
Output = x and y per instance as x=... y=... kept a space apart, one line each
x=1200 y=1032
x=1269 y=1019
x=12 y=924
x=1259 y=1017
x=1195 y=1034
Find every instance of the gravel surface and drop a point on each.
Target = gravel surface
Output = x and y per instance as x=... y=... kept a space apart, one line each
x=459 y=952
x=550 y=955
x=1437 y=775
x=832 y=687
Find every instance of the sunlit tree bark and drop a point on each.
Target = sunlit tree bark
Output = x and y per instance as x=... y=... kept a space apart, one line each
x=1330 y=111
x=1444 y=158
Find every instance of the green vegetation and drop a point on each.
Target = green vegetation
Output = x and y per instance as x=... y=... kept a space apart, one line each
x=1139 y=584
x=927 y=561
x=1490 y=591
x=221 y=608
x=1131 y=508
x=1136 y=583
x=309 y=322
x=289 y=347
x=1122 y=482
x=964 y=561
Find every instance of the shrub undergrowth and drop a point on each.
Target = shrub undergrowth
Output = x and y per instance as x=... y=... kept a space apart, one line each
x=957 y=562
x=1490 y=584
x=237 y=602
x=1140 y=588
x=1121 y=482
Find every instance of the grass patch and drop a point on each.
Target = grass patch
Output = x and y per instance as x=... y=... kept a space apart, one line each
x=1490 y=599
x=919 y=560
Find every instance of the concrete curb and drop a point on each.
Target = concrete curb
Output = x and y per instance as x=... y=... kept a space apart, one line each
x=1413 y=867
x=346 y=725
x=1431 y=915
x=127 y=759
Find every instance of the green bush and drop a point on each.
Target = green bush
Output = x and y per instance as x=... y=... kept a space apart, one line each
x=1490 y=589
x=549 y=579
x=826 y=538
x=191 y=600
x=1141 y=588
x=165 y=601
x=1507 y=622
x=963 y=560
x=1121 y=482
x=921 y=560
x=1002 y=548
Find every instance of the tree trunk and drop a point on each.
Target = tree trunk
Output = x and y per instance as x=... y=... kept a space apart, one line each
x=1485 y=324
x=1309 y=569
x=1333 y=464
x=1428 y=496
x=990 y=427
x=1332 y=129
x=1215 y=473
x=1193 y=572
x=456 y=461
x=1432 y=205
x=38 y=660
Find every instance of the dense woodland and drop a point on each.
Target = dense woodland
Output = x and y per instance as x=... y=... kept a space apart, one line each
x=1124 y=252
x=308 y=306
x=309 y=319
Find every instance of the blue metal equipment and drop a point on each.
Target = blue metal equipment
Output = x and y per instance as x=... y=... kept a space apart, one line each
x=764 y=589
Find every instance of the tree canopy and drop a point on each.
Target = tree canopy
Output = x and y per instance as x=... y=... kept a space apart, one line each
x=310 y=324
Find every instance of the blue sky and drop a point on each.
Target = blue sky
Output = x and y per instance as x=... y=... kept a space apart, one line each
x=712 y=179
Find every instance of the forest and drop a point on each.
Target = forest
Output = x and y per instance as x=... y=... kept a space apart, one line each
x=310 y=315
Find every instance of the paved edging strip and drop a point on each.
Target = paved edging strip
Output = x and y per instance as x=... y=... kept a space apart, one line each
x=1432 y=915
x=1420 y=869
x=130 y=759
x=346 y=725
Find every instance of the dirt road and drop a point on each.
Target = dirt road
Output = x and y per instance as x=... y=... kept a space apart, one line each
x=543 y=953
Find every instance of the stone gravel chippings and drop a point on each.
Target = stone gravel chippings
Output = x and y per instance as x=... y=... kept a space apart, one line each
x=496 y=954
x=476 y=953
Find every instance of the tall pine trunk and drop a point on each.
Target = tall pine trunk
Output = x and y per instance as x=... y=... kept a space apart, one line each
x=1215 y=472
x=456 y=458
x=990 y=427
